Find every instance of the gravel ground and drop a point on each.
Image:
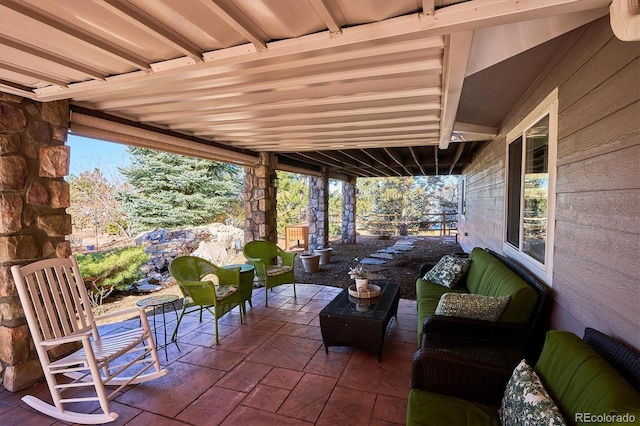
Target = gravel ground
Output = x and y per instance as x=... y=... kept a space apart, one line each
x=403 y=268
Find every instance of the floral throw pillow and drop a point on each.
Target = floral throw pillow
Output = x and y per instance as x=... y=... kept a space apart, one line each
x=474 y=306
x=448 y=271
x=526 y=401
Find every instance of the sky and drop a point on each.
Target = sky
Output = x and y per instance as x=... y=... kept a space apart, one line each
x=89 y=154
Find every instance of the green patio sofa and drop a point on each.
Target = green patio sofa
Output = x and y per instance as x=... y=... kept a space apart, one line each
x=587 y=379
x=490 y=274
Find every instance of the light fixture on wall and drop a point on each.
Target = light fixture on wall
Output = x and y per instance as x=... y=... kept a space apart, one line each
x=274 y=181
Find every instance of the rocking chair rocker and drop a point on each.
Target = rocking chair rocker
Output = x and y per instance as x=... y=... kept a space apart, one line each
x=57 y=308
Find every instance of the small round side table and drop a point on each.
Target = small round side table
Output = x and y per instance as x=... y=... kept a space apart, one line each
x=246 y=283
x=160 y=301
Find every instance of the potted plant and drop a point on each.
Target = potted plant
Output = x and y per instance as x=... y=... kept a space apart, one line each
x=361 y=277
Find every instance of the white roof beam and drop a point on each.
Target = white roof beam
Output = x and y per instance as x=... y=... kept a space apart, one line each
x=240 y=23
x=428 y=7
x=149 y=25
x=31 y=73
x=328 y=15
x=47 y=56
x=87 y=40
x=455 y=67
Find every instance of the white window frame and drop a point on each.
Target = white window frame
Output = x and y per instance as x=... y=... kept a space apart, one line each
x=549 y=106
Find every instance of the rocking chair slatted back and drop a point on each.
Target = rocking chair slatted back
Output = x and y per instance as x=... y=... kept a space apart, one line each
x=59 y=305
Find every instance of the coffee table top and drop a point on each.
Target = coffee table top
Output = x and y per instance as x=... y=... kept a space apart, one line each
x=378 y=308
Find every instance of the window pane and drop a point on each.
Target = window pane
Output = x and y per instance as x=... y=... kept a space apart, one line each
x=513 y=197
x=536 y=189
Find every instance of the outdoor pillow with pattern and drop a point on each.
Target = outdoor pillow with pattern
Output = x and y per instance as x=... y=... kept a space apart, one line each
x=526 y=401
x=473 y=306
x=223 y=291
x=273 y=270
x=448 y=271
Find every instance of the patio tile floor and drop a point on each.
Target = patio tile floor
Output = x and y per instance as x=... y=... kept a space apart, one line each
x=271 y=370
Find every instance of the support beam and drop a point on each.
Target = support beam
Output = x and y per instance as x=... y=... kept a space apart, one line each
x=149 y=25
x=329 y=16
x=240 y=23
x=457 y=155
x=414 y=154
x=454 y=70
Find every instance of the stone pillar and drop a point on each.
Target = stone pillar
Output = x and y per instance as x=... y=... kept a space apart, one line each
x=349 y=212
x=33 y=219
x=260 y=202
x=319 y=210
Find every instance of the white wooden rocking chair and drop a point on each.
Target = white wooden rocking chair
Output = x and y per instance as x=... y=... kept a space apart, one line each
x=56 y=305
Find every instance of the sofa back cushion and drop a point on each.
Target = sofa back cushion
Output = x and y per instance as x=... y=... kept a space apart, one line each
x=581 y=381
x=488 y=276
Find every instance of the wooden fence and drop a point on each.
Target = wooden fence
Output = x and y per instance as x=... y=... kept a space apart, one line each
x=392 y=224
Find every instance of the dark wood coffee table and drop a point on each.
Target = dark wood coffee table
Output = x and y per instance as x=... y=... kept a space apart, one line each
x=360 y=323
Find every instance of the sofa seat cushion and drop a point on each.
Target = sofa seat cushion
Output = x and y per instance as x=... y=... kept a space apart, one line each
x=428 y=408
x=581 y=381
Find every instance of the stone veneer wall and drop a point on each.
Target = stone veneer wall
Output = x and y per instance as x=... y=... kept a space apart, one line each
x=319 y=211
x=260 y=203
x=348 y=213
x=33 y=219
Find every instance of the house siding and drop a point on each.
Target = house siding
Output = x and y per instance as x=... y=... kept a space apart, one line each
x=596 y=273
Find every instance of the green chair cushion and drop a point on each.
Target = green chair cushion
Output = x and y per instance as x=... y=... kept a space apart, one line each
x=274 y=270
x=428 y=408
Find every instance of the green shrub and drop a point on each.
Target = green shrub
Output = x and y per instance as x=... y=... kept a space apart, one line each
x=113 y=270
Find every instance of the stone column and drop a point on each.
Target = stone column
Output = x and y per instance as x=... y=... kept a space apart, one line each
x=260 y=202
x=33 y=219
x=319 y=210
x=349 y=212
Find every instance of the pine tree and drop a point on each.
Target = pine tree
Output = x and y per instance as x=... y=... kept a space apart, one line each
x=170 y=190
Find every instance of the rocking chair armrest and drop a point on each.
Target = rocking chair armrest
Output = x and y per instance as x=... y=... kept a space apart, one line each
x=67 y=339
x=136 y=311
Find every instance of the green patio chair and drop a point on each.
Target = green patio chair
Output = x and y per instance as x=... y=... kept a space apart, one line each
x=272 y=265
x=205 y=286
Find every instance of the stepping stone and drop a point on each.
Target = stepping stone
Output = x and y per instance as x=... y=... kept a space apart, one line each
x=405 y=242
x=391 y=250
x=377 y=277
x=371 y=261
x=403 y=248
x=386 y=256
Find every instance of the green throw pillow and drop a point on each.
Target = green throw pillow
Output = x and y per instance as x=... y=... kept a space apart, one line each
x=526 y=401
x=448 y=271
x=474 y=306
